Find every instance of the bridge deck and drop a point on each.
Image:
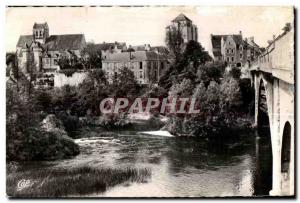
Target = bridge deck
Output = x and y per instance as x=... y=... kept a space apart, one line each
x=278 y=59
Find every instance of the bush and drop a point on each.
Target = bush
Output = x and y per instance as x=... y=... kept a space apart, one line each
x=183 y=89
x=71 y=123
x=235 y=73
x=111 y=121
x=36 y=144
x=26 y=140
x=43 y=100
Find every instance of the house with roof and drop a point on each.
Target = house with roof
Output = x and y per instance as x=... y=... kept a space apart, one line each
x=147 y=66
x=233 y=49
x=148 y=47
x=43 y=50
x=253 y=50
x=111 y=47
x=185 y=25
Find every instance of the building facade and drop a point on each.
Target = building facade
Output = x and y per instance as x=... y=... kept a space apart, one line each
x=42 y=51
x=185 y=25
x=147 y=66
x=234 y=50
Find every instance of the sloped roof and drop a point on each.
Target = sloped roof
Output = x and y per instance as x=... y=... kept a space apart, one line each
x=40 y=26
x=106 y=46
x=136 y=56
x=160 y=49
x=25 y=39
x=237 y=39
x=56 y=42
x=251 y=43
x=63 y=42
x=216 y=40
x=139 y=48
x=181 y=17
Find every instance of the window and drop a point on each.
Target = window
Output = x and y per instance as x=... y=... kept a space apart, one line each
x=241 y=55
x=141 y=74
x=47 y=61
x=36 y=33
x=231 y=50
x=232 y=58
x=162 y=65
x=141 y=65
x=227 y=51
x=227 y=59
x=41 y=33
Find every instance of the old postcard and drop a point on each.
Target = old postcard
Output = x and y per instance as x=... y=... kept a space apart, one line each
x=150 y=101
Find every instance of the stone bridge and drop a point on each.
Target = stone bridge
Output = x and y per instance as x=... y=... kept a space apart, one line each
x=272 y=77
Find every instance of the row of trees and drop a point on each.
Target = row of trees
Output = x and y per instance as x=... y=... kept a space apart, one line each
x=223 y=98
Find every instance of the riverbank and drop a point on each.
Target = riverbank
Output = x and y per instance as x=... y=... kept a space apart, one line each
x=70 y=182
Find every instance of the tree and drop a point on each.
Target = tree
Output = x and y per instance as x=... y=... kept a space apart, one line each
x=91 y=56
x=183 y=89
x=43 y=100
x=206 y=74
x=90 y=93
x=235 y=73
x=124 y=84
x=69 y=60
x=230 y=95
x=194 y=53
x=213 y=97
x=11 y=65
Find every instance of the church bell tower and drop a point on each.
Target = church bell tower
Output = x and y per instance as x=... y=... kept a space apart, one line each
x=40 y=32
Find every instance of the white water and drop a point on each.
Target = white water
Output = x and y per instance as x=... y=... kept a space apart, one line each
x=158 y=133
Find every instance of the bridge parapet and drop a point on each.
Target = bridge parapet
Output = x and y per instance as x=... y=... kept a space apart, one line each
x=278 y=58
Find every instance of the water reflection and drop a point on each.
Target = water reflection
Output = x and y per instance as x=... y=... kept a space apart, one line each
x=180 y=167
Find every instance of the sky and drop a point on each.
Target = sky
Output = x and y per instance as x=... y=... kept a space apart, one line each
x=146 y=25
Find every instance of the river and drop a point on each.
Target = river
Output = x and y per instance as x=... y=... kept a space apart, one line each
x=180 y=167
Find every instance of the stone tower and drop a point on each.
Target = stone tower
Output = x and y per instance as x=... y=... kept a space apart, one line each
x=40 y=32
x=186 y=26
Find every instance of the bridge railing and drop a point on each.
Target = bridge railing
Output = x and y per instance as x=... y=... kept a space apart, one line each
x=278 y=58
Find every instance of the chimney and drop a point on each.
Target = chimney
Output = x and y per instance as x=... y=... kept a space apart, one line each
x=240 y=32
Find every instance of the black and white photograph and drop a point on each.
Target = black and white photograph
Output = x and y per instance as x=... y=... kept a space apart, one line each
x=150 y=101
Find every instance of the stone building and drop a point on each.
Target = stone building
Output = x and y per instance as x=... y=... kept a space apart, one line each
x=188 y=29
x=253 y=50
x=233 y=49
x=43 y=50
x=111 y=47
x=147 y=66
x=148 y=47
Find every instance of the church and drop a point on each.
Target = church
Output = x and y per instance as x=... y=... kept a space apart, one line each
x=42 y=50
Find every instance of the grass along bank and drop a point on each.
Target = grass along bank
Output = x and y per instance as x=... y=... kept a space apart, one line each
x=71 y=182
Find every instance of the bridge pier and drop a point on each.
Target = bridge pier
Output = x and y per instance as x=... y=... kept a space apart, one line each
x=280 y=109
